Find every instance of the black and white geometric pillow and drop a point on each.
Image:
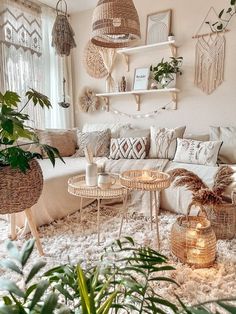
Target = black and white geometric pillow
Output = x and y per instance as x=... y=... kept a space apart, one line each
x=128 y=148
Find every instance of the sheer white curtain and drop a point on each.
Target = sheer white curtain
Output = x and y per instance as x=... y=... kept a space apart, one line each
x=28 y=60
x=55 y=68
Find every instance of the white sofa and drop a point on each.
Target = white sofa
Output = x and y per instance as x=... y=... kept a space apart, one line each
x=55 y=201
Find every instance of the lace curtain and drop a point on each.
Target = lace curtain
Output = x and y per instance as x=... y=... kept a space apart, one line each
x=27 y=60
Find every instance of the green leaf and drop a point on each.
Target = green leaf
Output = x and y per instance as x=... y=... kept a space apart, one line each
x=221 y=13
x=83 y=290
x=12 y=250
x=7 y=285
x=11 y=265
x=229 y=10
x=228 y=307
x=220 y=27
x=27 y=251
x=52 y=153
x=49 y=304
x=35 y=269
x=7 y=300
x=8 y=126
x=107 y=305
x=39 y=292
x=233 y=2
x=9 y=309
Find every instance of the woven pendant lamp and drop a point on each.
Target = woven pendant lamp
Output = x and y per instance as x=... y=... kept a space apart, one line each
x=115 y=23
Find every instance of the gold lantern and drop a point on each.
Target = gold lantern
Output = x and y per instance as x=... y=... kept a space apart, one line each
x=193 y=240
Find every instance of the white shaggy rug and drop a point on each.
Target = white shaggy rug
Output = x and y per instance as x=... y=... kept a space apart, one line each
x=67 y=239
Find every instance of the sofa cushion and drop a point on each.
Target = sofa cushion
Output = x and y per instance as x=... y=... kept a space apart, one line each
x=115 y=128
x=128 y=148
x=63 y=140
x=197 y=137
x=164 y=141
x=196 y=152
x=98 y=142
x=134 y=132
x=228 y=149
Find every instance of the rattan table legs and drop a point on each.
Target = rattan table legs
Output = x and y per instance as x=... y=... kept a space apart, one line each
x=32 y=226
x=153 y=195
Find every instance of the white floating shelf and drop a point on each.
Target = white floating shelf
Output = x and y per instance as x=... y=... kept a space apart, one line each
x=126 y=52
x=137 y=94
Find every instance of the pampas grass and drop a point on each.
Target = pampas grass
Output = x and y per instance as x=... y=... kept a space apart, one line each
x=201 y=192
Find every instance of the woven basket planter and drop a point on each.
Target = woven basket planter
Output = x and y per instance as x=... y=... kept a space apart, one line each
x=193 y=240
x=223 y=219
x=19 y=191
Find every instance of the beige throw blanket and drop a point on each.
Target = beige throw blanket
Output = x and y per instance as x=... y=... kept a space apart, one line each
x=139 y=201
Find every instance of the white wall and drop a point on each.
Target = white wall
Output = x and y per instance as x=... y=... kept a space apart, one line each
x=195 y=109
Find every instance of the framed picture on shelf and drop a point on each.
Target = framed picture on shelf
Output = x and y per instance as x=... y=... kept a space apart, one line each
x=158 y=27
x=141 y=77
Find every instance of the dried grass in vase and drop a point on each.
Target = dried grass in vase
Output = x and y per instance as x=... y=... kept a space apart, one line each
x=220 y=210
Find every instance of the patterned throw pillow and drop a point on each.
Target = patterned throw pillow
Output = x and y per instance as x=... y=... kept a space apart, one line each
x=163 y=142
x=128 y=148
x=99 y=142
x=196 y=152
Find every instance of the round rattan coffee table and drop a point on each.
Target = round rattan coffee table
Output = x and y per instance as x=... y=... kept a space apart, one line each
x=152 y=181
x=78 y=187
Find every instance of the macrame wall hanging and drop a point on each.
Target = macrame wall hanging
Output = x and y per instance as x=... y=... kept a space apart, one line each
x=62 y=32
x=210 y=55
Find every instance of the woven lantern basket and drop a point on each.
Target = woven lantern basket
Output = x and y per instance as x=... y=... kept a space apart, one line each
x=115 y=23
x=223 y=219
x=19 y=191
x=193 y=240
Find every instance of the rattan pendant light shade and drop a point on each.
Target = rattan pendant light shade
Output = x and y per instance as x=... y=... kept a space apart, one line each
x=115 y=23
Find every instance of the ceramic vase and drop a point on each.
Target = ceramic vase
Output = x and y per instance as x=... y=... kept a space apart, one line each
x=91 y=176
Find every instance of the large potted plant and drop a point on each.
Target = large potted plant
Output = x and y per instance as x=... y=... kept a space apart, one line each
x=165 y=71
x=21 y=178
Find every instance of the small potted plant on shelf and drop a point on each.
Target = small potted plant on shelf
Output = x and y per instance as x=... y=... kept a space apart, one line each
x=21 y=177
x=164 y=73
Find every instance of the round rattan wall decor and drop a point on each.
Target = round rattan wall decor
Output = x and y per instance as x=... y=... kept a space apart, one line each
x=93 y=62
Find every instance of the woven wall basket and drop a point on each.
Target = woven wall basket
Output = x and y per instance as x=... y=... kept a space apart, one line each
x=193 y=240
x=19 y=191
x=93 y=61
x=223 y=219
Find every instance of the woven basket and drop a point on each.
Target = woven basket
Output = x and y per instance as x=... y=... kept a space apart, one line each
x=19 y=191
x=223 y=219
x=193 y=240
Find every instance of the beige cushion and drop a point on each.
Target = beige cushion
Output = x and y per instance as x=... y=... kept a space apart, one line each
x=115 y=128
x=128 y=148
x=63 y=140
x=228 y=136
x=196 y=152
x=198 y=137
x=98 y=142
x=164 y=141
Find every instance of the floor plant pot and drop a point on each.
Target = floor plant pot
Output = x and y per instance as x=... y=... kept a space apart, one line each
x=20 y=191
x=223 y=219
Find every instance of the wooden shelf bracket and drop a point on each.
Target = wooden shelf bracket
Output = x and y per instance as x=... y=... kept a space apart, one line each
x=173 y=49
x=138 y=101
x=107 y=102
x=174 y=99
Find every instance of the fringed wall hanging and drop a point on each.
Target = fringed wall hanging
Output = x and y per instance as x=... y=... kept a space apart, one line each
x=62 y=32
x=210 y=56
x=108 y=57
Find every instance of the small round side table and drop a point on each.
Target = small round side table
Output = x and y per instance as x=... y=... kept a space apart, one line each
x=152 y=181
x=78 y=187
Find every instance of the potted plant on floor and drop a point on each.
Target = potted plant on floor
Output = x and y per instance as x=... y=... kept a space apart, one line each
x=165 y=71
x=21 y=179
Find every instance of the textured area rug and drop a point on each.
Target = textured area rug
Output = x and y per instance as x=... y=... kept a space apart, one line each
x=69 y=240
